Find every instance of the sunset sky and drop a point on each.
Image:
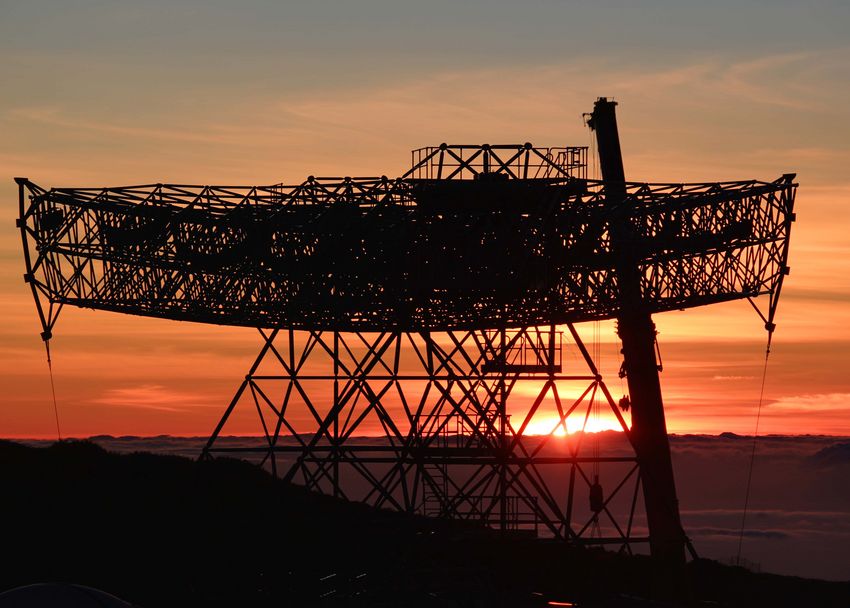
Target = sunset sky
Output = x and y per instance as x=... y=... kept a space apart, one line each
x=113 y=93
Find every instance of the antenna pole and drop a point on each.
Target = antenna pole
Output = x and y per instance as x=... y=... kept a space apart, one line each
x=637 y=332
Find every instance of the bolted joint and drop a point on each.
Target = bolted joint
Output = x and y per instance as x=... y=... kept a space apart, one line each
x=28 y=278
x=769 y=326
x=46 y=335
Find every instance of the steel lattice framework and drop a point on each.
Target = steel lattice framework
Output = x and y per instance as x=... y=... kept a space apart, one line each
x=448 y=442
x=412 y=254
x=414 y=308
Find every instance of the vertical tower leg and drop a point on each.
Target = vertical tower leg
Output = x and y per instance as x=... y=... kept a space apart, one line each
x=502 y=405
x=649 y=438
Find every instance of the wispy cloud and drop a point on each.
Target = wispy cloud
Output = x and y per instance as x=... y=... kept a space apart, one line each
x=755 y=79
x=56 y=116
x=150 y=397
x=813 y=403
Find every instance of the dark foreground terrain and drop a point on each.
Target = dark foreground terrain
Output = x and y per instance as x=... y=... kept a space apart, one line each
x=167 y=531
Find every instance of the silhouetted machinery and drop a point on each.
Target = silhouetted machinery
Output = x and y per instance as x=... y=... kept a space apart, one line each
x=414 y=329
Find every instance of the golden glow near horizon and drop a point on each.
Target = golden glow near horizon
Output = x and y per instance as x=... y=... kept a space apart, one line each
x=555 y=426
x=162 y=103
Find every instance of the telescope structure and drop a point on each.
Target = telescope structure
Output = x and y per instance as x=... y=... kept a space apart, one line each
x=414 y=331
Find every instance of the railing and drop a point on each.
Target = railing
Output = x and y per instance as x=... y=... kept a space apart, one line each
x=453 y=431
x=518 y=515
x=532 y=351
x=515 y=161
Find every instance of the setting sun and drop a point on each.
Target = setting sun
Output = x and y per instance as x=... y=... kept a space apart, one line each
x=574 y=424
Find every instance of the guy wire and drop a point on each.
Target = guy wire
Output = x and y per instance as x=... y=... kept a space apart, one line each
x=752 y=458
x=53 y=390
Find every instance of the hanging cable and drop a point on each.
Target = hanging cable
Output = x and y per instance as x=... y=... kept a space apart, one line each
x=53 y=390
x=752 y=456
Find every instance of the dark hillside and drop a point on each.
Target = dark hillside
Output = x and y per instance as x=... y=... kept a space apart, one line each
x=168 y=531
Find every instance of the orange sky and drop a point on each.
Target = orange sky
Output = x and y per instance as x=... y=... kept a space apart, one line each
x=86 y=107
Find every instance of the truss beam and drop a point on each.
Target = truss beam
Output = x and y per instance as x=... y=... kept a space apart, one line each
x=411 y=254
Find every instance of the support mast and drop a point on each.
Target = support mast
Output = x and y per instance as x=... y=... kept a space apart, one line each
x=637 y=332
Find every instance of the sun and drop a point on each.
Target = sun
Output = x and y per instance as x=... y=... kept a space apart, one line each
x=545 y=425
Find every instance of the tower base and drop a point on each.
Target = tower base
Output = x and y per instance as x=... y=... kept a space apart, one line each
x=492 y=427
